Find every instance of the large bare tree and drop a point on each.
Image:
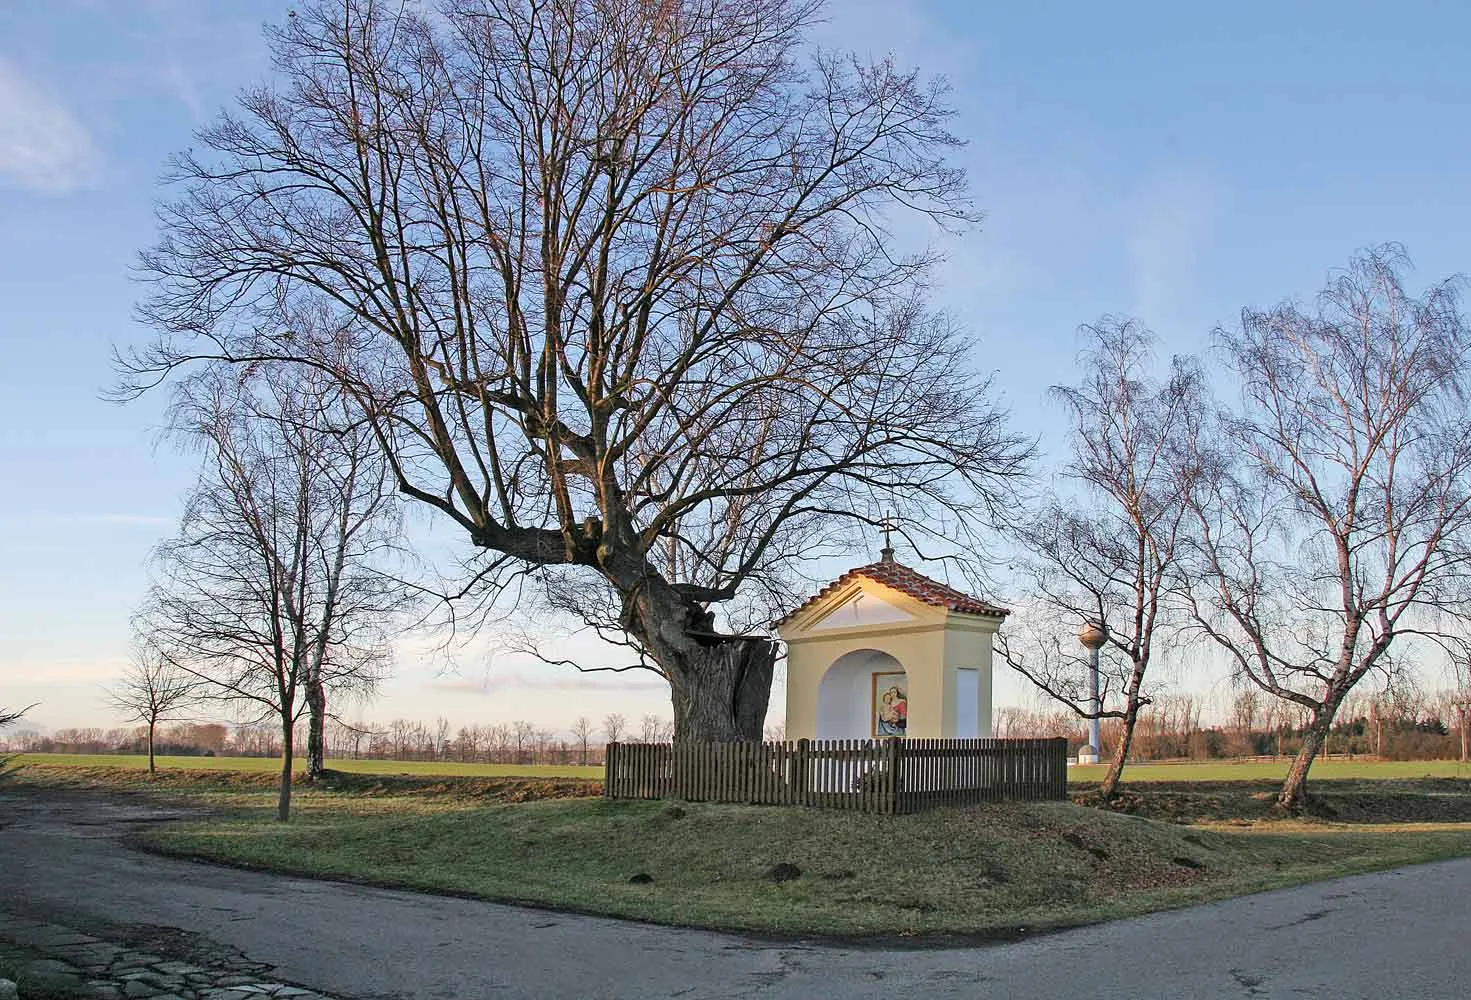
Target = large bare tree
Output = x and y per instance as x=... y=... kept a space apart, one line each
x=1333 y=525
x=273 y=592
x=153 y=689
x=1107 y=552
x=617 y=285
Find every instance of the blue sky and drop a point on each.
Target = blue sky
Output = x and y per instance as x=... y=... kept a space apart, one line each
x=1173 y=161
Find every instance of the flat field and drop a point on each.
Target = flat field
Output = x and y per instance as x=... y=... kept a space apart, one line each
x=1324 y=769
x=1329 y=769
x=272 y=765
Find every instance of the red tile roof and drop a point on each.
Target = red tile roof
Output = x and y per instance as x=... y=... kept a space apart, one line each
x=899 y=577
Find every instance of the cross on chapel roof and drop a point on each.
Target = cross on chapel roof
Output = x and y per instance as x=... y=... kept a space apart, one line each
x=899 y=577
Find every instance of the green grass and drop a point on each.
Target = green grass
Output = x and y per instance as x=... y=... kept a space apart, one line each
x=273 y=765
x=981 y=871
x=1275 y=770
x=232 y=792
x=986 y=870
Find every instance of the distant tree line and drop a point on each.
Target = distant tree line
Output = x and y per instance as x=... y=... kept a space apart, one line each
x=1403 y=726
x=518 y=742
x=1416 y=727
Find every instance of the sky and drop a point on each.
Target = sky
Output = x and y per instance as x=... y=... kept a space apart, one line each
x=1176 y=162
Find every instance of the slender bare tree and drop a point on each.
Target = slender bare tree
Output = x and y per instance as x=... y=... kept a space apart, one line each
x=614 y=726
x=273 y=591
x=1244 y=713
x=1108 y=551
x=582 y=732
x=1337 y=509
x=441 y=738
x=617 y=286
x=153 y=689
x=523 y=740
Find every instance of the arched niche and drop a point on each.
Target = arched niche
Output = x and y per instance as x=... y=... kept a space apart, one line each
x=845 y=696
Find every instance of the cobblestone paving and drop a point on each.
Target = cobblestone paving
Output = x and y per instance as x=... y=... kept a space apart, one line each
x=50 y=960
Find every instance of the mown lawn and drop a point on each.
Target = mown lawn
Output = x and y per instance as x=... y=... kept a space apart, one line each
x=273 y=765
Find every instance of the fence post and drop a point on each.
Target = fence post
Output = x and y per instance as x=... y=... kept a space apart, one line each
x=610 y=769
x=801 y=779
x=892 y=758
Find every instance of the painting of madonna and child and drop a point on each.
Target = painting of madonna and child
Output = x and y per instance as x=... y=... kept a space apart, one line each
x=890 y=704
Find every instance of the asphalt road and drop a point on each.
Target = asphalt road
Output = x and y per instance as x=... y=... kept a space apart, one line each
x=1394 y=934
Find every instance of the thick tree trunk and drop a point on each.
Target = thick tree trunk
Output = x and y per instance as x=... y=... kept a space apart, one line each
x=1465 y=716
x=151 y=768
x=316 y=738
x=1111 y=780
x=283 y=803
x=719 y=685
x=721 y=692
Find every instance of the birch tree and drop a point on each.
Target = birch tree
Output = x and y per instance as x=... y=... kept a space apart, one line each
x=1107 y=551
x=1334 y=524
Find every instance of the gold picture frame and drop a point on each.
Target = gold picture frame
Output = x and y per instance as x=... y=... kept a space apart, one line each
x=889 y=707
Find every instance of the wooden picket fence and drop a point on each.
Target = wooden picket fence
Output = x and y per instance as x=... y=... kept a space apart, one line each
x=882 y=776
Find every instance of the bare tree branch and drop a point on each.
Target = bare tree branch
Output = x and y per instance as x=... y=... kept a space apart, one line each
x=1108 y=553
x=152 y=690
x=271 y=594
x=1333 y=524
x=615 y=286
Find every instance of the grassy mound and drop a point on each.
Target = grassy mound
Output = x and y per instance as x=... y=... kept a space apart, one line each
x=988 y=871
x=984 y=870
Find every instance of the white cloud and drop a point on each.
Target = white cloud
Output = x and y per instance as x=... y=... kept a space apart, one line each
x=43 y=146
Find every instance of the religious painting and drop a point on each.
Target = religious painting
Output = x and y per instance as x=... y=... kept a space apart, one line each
x=890 y=704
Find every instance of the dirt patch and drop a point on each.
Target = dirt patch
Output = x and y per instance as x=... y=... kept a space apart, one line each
x=1368 y=801
x=509 y=789
x=184 y=781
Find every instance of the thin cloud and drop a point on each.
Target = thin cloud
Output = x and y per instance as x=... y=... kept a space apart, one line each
x=43 y=146
x=499 y=685
x=23 y=675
